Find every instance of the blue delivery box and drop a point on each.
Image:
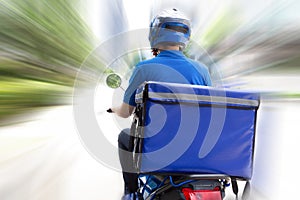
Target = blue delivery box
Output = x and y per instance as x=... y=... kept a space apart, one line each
x=196 y=129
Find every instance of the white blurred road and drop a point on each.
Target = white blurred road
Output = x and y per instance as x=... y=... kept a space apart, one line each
x=45 y=160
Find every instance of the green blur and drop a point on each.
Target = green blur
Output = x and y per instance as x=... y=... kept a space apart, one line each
x=42 y=45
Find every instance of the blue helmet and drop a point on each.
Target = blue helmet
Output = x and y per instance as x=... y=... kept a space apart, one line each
x=169 y=28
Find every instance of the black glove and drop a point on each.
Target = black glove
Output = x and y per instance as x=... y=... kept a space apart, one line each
x=109 y=110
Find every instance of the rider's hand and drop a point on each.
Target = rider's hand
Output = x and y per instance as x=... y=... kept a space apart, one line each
x=124 y=111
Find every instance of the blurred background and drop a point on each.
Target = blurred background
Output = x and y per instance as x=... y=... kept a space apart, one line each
x=253 y=45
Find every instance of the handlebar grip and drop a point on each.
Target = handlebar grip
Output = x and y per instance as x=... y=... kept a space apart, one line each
x=109 y=110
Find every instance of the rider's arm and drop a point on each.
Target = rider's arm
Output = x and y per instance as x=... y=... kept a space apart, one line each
x=125 y=110
x=128 y=105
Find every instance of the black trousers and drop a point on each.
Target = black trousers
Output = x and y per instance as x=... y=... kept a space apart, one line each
x=126 y=159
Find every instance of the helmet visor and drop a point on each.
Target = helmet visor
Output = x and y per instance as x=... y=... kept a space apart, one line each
x=178 y=27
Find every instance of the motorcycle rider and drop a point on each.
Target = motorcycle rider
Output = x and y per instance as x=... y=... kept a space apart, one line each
x=169 y=34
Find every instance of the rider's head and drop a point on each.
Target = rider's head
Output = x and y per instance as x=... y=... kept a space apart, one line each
x=170 y=29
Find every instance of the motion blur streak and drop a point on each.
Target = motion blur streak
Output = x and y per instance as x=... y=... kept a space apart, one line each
x=42 y=44
x=244 y=39
x=252 y=45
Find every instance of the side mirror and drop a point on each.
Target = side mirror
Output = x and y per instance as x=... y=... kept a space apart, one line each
x=113 y=81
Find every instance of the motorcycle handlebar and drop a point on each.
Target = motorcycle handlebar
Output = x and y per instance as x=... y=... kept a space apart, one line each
x=109 y=110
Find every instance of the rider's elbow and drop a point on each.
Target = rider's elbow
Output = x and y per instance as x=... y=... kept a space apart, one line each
x=125 y=110
x=123 y=114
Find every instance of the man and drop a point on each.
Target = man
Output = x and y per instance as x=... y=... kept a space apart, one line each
x=169 y=34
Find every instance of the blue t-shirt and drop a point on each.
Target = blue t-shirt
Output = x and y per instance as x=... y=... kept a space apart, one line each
x=169 y=66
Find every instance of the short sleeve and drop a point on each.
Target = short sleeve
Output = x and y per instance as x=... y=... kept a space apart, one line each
x=136 y=79
x=207 y=77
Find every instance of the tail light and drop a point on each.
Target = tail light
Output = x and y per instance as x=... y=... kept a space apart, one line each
x=191 y=194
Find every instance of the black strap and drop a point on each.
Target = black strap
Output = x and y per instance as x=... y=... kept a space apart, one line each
x=132 y=135
x=246 y=191
x=235 y=187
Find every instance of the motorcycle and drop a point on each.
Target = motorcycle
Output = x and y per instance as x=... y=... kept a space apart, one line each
x=210 y=159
